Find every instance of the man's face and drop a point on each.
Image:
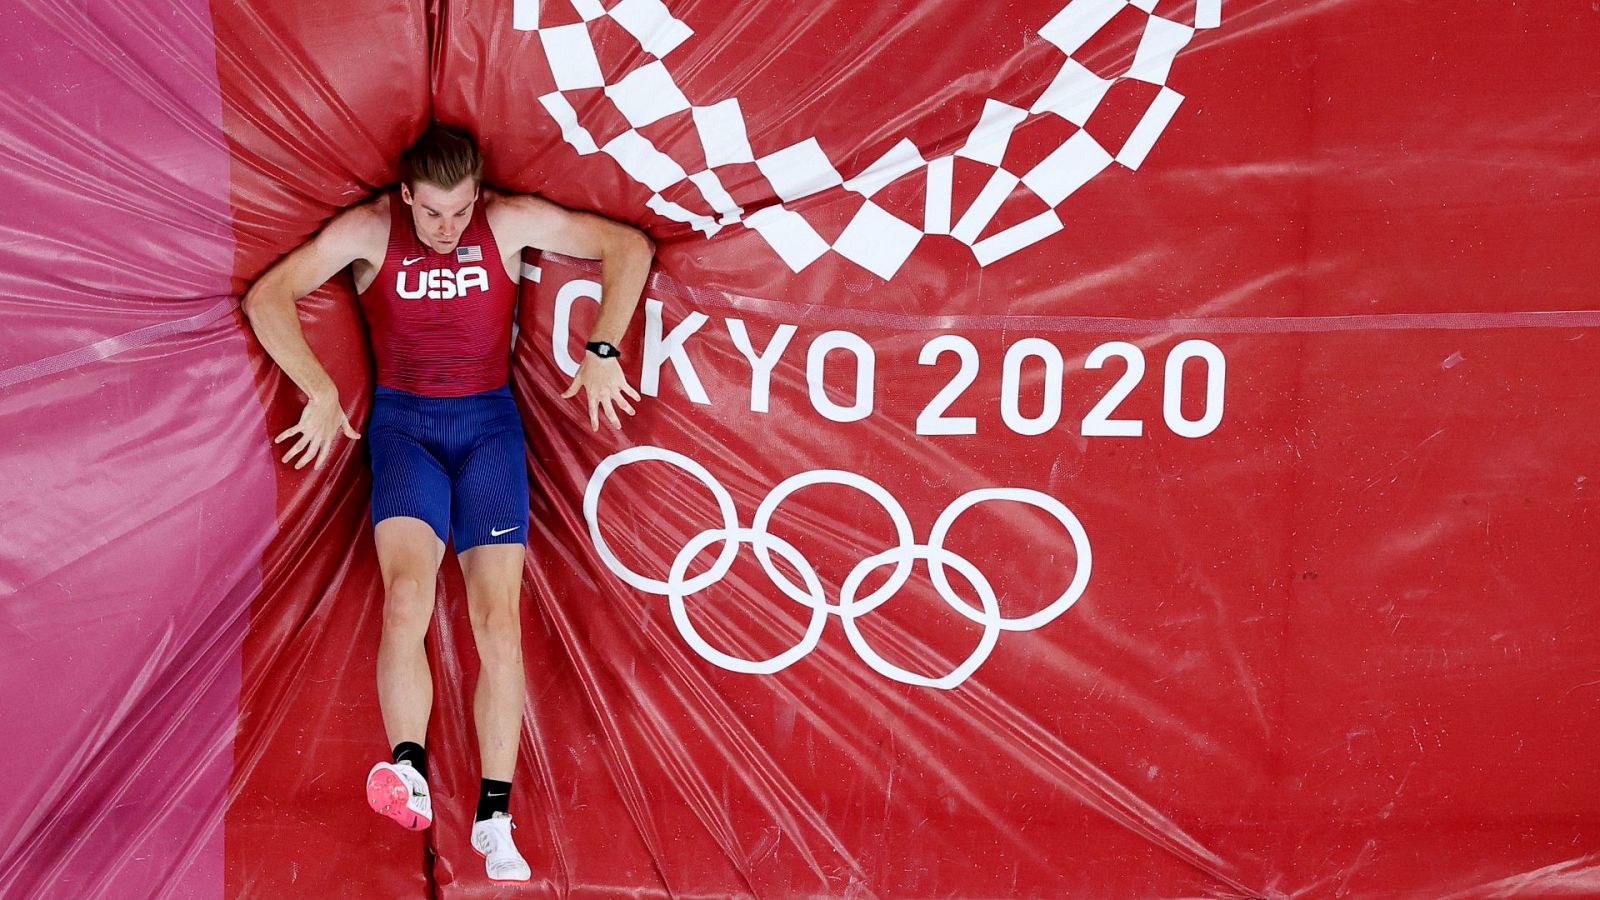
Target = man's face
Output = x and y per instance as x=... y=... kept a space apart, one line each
x=440 y=215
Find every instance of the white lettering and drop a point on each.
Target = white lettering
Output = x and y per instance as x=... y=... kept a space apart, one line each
x=417 y=294
x=472 y=277
x=442 y=284
x=658 y=350
x=561 y=333
x=1011 y=386
x=1172 y=400
x=932 y=420
x=761 y=365
x=816 y=359
x=438 y=283
x=1098 y=423
x=666 y=345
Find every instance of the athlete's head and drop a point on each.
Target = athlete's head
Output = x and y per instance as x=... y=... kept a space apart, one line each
x=439 y=181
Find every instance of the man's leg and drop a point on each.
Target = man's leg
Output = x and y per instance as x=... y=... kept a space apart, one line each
x=411 y=518
x=489 y=523
x=494 y=587
x=493 y=574
x=409 y=554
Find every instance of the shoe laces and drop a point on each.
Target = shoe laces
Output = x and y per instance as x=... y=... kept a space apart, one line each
x=494 y=834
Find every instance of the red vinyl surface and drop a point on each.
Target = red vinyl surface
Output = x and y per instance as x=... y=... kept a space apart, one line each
x=880 y=594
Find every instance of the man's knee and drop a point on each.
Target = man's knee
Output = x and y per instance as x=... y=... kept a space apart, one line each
x=498 y=632
x=407 y=606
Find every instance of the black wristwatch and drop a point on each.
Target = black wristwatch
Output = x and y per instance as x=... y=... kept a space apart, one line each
x=603 y=350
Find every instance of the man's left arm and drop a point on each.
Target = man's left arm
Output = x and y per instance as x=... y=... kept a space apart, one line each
x=624 y=253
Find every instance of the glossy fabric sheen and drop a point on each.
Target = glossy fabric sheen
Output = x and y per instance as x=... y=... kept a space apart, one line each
x=454 y=462
x=136 y=495
x=440 y=325
x=1088 y=449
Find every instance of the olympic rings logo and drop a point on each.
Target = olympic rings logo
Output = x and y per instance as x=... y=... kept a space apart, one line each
x=678 y=587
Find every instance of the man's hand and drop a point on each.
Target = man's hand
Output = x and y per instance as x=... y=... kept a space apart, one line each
x=606 y=385
x=319 y=426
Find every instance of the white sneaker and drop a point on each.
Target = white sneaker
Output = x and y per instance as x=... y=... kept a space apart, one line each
x=492 y=839
x=400 y=792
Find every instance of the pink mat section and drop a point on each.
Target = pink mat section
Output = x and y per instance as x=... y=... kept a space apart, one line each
x=136 y=488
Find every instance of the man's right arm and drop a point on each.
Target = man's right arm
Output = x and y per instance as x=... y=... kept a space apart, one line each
x=357 y=233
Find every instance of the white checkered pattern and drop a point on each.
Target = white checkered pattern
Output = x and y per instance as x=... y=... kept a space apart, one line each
x=874 y=239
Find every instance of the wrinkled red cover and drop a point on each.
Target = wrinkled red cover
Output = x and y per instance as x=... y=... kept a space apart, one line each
x=1336 y=643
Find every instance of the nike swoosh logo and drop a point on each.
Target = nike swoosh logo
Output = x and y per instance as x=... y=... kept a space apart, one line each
x=493 y=794
x=496 y=532
x=409 y=261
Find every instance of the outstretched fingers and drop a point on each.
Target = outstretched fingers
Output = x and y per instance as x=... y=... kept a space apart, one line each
x=310 y=453
x=607 y=398
x=322 y=455
x=297 y=447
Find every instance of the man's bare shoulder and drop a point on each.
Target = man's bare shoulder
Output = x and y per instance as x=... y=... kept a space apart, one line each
x=508 y=206
x=520 y=220
x=513 y=218
x=360 y=231
x=528 y=220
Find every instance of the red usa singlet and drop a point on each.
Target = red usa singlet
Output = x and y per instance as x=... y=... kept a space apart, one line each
x=440 y=324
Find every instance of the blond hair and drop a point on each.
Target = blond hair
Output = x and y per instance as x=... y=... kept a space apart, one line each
x=443 y=156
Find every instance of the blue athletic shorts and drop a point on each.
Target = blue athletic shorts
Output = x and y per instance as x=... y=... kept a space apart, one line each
x=457 y=463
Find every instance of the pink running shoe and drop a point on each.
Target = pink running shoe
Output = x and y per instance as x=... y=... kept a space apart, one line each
x=400 y=792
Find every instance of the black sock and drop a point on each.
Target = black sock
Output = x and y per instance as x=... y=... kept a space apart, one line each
x=411 y=752
x=493 y=797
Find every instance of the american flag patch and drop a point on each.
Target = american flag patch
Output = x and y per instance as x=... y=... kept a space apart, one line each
x=469 y=254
